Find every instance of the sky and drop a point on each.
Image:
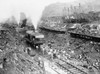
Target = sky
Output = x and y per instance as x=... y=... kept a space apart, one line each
x=32 y=8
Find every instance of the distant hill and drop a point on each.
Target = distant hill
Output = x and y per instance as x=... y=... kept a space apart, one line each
x=56 y=9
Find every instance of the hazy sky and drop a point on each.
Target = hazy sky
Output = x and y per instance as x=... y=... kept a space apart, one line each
x=32 y=8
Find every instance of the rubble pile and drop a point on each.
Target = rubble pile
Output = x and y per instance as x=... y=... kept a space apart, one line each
x=79 y=52
x=13 y=58
x=53 y=23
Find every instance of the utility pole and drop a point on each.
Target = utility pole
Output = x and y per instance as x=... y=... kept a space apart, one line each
x=75 y=9
x=64 y=11
x=71 y=9
x=80 y=11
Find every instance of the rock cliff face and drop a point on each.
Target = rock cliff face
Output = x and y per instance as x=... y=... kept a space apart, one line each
x=53 y=10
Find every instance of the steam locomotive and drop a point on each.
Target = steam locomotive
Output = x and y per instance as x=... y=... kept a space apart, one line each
x=32 y=38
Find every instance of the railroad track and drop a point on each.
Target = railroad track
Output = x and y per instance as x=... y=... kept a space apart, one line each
x=59 y=70
x=66 y=69
x=73 y=70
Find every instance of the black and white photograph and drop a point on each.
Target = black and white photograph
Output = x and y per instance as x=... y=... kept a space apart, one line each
x=49 y=36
